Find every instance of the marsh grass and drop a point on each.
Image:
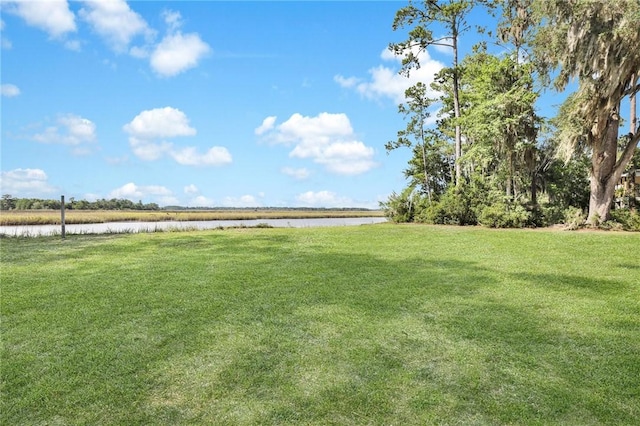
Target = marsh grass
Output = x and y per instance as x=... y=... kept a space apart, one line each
x=375 y=324
x=52 y=217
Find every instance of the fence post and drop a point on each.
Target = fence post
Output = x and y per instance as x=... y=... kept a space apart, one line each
x=62 y=215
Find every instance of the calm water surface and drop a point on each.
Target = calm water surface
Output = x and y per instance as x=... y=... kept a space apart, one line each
x=121 y=227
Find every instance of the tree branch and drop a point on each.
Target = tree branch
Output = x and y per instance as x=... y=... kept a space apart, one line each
x=627 y=154
x=632 y=90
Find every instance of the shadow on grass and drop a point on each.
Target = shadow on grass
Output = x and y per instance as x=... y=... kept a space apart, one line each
x=272 y=329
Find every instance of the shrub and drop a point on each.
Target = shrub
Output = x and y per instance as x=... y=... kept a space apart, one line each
x=505 y=215
x=574 y=218
x=400 y=208
x=627 y=219
x=454 y=208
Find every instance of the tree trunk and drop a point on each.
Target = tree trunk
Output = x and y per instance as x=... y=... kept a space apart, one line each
x=606 y=171
x=633 y=126
x=456 y=102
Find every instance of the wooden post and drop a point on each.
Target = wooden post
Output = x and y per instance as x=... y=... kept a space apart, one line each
x=62 y=215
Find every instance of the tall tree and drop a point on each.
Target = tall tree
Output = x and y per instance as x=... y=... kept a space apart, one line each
x=597 y=43
x=499 y=118
x=422 y=17
x=428 y=168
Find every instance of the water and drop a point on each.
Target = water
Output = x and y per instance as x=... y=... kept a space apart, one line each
x=134 y=227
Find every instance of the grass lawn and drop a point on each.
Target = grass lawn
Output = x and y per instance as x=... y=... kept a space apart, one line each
x=379 y=324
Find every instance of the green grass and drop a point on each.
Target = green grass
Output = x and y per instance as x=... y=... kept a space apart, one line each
x=375 y=325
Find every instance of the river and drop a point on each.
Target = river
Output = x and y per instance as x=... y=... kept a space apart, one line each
x=134 y=227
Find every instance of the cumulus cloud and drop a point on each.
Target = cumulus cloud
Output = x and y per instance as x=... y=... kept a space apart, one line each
x=132 y=191
x=148 y=130
x=323 y=199
x=299 y=174
x=177 y=53
x=200 y=201
x=51 y=16
x=9 y=90
x=243 y=201
x=69 y=129
x=173 y=20
x=191 y=189
x=385 y=82
x=115 y=22
x=327 y=139
x=26 y=183
x=149 y=151
x=190 y=156
x=267 y=124
x=164 y=122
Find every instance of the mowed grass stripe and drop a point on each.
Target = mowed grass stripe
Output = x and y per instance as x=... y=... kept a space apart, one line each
x=378 y=324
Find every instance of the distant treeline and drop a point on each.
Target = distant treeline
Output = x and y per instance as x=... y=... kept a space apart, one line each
x=10 y=203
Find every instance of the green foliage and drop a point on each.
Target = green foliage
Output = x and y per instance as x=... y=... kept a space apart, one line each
x=503 y=214
x=499 y=119
x=429 y=167
x=101 y=204
x=628 y=219
x=460 y=205
x=574 y=218
x=8 y=202
x=567 y=182
x=401 y=208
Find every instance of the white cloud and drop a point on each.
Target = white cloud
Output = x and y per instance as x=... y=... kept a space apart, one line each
x=25 y=183
x=114 y=21
x=177 y=53
x=172 y=19
x=346 y=82
x=323 y=199
x=148 y=129
x=200 y=201
x=385 y=82
x=70 y=129
x=327 y=139
x=51 y=16
x=191 y=189
x=215 y=156
x=132 y=191
x=243 y=201
x=149 y=151
x=4 y=42
x=344 y=158
x=164 y=122
x=267 y=124
x=9 y=90
x=299 y=174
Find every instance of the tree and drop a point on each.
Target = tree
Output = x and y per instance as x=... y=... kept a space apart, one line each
x=499 y=119
x=428 y=167
x=7 y=202
x=597 y=43
x=450 y=14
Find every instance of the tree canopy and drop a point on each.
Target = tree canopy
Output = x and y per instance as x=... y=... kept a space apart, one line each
x=501 y=144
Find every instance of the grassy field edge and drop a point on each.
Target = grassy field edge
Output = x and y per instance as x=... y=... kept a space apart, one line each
x=375 y=324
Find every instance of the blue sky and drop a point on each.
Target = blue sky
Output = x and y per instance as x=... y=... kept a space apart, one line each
x=208 y=103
